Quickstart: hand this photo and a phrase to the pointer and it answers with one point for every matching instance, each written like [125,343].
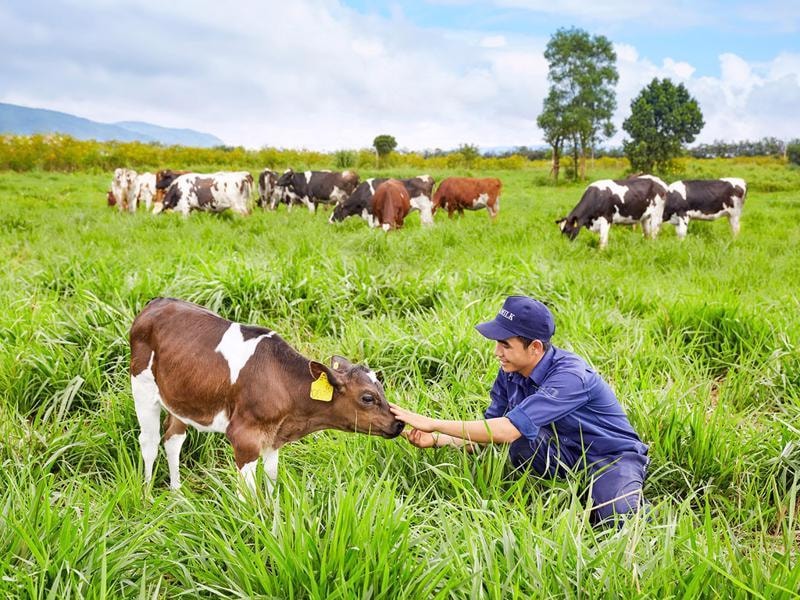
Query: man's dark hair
[527,342]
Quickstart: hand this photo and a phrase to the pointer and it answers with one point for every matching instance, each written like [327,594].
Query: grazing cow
[122,186]
[360,201]
[213,192]
[163,180]
[391,204]
[627,201]
[315,187]
[266,186]
[704,199]
[458,193]
[244,381]
[110,198]
[142,190]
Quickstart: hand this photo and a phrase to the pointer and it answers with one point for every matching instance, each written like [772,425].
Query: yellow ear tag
[321,389]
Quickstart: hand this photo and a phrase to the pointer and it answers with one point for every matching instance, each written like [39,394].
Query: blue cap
[520,316]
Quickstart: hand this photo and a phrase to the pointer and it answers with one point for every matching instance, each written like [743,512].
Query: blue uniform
[570,418]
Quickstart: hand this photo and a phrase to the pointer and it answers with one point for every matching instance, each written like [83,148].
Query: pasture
[699,340]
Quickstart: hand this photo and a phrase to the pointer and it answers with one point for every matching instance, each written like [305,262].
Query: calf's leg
[148,409]
[174,436]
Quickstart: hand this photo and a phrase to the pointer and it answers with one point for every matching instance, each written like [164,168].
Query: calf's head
[357,402]
[569,227]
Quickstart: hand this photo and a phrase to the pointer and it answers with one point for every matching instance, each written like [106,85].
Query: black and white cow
[704,199]
[266,186]
[360,202]
[212,192]
[314,187]
[636,200]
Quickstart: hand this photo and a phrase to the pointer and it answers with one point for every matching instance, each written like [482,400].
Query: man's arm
[498,430]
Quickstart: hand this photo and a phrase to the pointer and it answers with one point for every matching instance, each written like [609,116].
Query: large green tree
[663,118]
[384,144]
[581,100]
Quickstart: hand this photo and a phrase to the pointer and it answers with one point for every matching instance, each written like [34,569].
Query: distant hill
[21,120]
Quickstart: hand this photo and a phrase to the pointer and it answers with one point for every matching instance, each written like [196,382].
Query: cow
[163,180]
[459,193]
[638,199]
[266,186]
[314,187]
[391,204]
[706,200]
[142,190]
[419,189]
[122,186]
[244,381]
[212,192]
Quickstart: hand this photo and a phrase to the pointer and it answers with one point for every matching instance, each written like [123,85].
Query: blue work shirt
[564,392]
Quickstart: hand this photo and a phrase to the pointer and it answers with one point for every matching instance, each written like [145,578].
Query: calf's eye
[368,399]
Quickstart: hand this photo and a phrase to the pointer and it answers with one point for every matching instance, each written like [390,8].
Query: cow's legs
[174,436]
[270,457]
[682,227]
[603,227]
[733,219]
[246,451]
[148,408]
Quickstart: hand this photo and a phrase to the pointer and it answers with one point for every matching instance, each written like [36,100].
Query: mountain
[21,120]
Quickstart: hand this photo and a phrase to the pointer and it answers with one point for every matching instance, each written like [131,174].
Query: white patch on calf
[338,195]
[424,205]
[236,350]
[481,201]
[613,187]
[248,472]
[308,177]
[372,377]
[219,424]
[173,448]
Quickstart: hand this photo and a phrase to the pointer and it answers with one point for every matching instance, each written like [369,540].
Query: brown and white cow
[360,202]
[314,187]
[459,193]
[122,184]
[143,190]
[164,179]
[213,192]
[244,381]
[266,186]
[705,200]
[627,201]
[391,204]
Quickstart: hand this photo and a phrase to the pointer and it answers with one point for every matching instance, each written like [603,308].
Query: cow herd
[645,200]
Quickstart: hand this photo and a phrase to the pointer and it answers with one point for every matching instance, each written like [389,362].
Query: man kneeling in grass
[556,412]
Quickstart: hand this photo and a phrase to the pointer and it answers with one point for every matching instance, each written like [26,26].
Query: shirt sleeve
[558,396]
[499,397]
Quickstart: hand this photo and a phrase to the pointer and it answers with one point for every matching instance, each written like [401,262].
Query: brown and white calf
[459,193]
[244,381]
[705,200]
[122,184]
[391,204]
[212,192]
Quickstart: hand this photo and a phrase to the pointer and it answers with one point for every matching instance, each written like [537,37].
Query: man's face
[514,357]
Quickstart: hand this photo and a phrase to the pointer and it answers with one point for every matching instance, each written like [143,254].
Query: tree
[468,153]
[581,100]
[384,144]
[663,118]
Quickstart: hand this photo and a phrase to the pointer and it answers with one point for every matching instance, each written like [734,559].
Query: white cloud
[315,74]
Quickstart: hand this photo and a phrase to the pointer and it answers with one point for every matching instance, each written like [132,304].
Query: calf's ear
[340,363]
[317,369]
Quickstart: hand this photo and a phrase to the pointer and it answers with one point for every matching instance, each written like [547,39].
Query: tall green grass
[698,338]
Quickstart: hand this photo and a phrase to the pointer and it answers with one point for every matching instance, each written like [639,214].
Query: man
[554,410]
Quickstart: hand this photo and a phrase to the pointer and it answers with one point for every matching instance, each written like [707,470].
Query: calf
[142,190]
[122,184]
[458,193]
[210,192]
[391,204]
[315,187]
[704,199]
[627,201]
[360,202]
[244,381]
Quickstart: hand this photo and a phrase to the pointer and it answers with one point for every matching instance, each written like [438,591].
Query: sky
[332,74]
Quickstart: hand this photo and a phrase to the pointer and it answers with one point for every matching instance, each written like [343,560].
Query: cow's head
[110,198]
[358,402]
[286,178]
[569,226]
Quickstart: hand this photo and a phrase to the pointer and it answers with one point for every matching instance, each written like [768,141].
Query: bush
[793,152]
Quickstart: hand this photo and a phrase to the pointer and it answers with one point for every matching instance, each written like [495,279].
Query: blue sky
[332,74]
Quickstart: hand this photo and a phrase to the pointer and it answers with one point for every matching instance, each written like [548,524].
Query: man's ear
[317,368]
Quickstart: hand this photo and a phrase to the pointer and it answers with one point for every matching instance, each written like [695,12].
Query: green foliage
[345,159]
[581,100]
[384,144]
[469,154]
[698,339]
[793,152]
[663,118]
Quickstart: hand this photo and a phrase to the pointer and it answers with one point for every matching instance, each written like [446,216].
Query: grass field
[699,339]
